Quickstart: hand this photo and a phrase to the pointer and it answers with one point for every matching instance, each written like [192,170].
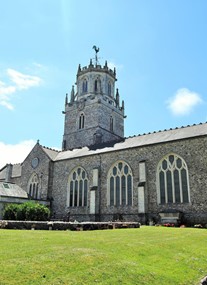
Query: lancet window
[85,86]
[109,88]
[81,121]
[111,124]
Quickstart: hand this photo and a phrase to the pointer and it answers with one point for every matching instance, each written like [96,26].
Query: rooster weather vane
[96,51]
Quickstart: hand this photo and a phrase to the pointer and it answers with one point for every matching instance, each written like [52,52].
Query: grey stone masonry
[93,115]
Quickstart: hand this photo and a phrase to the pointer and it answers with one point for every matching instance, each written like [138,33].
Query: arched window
[77,188]
[96,86]
[109,88]
[81,121]
[172,180]
[120,186]
[33,186]
[85,86]
[111,124]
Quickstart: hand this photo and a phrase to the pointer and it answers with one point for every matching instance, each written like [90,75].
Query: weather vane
[96,51]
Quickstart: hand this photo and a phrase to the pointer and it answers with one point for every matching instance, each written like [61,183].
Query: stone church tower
[93,114]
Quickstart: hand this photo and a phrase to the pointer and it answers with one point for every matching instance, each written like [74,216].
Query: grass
[149,255]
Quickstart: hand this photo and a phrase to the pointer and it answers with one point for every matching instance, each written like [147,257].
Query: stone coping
[59,225]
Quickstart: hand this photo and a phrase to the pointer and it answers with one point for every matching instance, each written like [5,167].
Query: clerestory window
[120,187]
[77,188]
[172,180]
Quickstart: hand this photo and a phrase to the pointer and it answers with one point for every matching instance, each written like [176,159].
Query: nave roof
[137,141]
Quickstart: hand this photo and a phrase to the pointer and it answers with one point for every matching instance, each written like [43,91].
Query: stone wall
[193,151]
[97,111]
[42,171]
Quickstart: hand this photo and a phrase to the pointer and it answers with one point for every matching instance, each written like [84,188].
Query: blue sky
[158,47]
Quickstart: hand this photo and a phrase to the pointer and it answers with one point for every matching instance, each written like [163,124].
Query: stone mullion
[165,180]
[114,191]
[181,188]
[126,178]
[120,191]
[173,184]
[78,191]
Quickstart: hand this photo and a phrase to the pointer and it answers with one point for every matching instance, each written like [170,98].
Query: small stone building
[102,176]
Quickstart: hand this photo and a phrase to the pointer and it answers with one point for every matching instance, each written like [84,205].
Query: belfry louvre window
[173,182]
[109,88]
[120,185]
[33,186]
[78,188]
[85,86]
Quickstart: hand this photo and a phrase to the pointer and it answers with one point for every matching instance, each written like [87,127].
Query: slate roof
[138,141]
[126,143]
[16,171]
[51,153]
[12,190]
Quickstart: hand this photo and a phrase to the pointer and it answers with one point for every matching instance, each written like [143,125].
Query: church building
[100,175]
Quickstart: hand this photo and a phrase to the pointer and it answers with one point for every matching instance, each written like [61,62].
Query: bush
[10,212]
[26,212]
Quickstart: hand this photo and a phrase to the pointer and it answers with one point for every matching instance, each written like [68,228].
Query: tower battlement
[93,113]
[96,68]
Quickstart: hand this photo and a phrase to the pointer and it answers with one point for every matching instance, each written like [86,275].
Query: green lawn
[149,255]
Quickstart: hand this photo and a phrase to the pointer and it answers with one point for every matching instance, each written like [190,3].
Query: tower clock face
[35,162]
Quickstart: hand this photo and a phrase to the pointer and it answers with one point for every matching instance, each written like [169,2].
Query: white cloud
[23,81]
[6,104]
[112,65]
[19,81]
[15,153]
[183,102]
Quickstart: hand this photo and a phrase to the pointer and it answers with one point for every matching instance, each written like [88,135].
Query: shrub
[28,211]
[10,212]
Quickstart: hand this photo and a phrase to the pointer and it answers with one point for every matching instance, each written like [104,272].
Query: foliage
[28,211]
[149,255]
[10,212]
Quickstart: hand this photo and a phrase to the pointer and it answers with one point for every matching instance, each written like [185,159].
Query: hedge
[28,211]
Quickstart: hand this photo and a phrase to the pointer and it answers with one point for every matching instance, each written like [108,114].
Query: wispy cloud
[112,65]
[15,153]
[23,81]
[18,81]
[183,102]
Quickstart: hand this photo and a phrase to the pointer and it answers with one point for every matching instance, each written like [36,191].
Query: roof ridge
[166,130]
[45,147]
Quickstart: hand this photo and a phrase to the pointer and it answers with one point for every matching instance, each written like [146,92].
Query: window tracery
[33,186]
[77,188]
[173,181]
[120,182]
